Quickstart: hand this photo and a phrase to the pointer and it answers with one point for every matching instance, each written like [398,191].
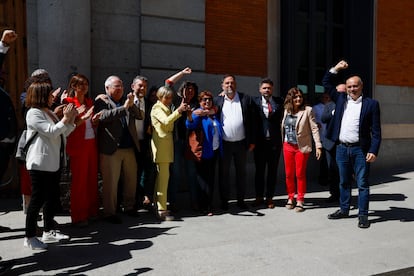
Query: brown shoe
[258,202]
[165,216]
[269,203]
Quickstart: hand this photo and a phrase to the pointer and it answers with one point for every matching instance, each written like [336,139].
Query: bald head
[354,87]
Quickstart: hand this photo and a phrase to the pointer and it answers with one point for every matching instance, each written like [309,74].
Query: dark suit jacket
[249,114]
[326,118]
[8,120]
[110,125]
[273,121]
[369,120]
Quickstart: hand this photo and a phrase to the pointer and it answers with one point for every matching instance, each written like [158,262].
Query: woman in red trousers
[82,150]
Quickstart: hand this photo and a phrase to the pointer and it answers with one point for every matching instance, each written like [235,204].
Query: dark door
[315,34]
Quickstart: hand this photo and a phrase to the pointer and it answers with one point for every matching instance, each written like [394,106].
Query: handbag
[194,149]
[23,145]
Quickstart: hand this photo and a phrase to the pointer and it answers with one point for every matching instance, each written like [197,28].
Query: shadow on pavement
[98,245]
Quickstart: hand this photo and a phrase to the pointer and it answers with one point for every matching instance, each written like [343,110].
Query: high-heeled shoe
[299,207]
[290,204]
[165,215]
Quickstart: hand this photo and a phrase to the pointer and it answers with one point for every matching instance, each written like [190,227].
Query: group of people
[145,146]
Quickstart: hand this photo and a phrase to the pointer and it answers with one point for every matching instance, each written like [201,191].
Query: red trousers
[295,166]
[84,188]
[25,182]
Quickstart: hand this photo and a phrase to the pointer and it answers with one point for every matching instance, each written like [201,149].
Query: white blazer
[43,153]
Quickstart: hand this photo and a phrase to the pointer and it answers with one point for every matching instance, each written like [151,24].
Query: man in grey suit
[117,138]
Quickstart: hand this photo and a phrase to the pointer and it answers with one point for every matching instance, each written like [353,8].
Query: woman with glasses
[83,152]
[211,130]
[298,128]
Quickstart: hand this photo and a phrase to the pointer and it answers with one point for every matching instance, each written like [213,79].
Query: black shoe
[242,205]
[132,213]
[338,215]
[114,219]
[173,208]
[258,202]
[363,222]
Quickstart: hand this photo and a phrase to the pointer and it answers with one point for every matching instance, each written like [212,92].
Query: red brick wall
[236,37]
[395,42]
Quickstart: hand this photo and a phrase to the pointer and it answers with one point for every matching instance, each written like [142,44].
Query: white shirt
[232,119]
[265,108]
[139,124]
[89,132]
[349,132]
[3,48]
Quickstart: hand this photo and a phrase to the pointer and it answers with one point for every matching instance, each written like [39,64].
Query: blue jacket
[208,130]
[369,121]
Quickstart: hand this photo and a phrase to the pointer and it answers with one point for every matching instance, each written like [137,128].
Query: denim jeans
[351,161]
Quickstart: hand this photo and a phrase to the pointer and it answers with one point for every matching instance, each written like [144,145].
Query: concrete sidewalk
[254,242]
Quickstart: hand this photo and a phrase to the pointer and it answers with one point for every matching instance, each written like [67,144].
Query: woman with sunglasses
[298,128]
[83,152]
[202,119]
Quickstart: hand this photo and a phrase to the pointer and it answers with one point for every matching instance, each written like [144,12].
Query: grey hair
[141,78]
[109,80]
[164,91]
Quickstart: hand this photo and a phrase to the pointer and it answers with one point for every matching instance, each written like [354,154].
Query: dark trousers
[333,174]
[238,152]
[266,154]
[6,150]
[45,187]
[205,170]
[146,172]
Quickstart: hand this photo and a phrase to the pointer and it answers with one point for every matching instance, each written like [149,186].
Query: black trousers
[266,155]
[238,152]
[205,170]
[45,188]
[6,150]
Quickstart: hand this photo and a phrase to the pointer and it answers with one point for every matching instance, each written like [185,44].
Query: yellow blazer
[306,128]
[162,143]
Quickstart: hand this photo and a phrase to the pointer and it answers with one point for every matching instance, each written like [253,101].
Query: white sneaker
[34,243]
[54,235]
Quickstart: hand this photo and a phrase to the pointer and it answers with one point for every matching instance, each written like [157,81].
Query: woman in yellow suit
[162,119]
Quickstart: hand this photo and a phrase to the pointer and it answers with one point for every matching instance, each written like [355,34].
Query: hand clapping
[70,113]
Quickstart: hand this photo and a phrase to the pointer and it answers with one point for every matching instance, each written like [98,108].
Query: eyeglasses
[206,99]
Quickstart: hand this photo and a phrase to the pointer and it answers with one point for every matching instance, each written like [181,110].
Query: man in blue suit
[356,129]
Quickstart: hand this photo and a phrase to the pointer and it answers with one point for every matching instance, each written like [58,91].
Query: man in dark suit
[8,128]
[117,138]
[236,112]
[146,172]
[8,121]
[356,129]
[269,110]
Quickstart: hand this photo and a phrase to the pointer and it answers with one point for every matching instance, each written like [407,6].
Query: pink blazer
[306,128]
